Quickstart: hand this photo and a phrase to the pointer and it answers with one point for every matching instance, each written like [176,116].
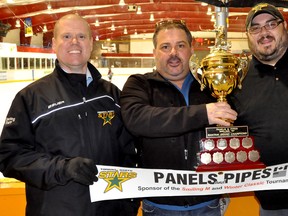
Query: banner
[28,27]
[122,182]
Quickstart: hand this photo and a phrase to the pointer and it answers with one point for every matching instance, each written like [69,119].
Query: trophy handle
[196,70]
[243,66]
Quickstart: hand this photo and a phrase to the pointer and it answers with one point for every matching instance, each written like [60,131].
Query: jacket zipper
[81,129]
[82,125]
[186,154]
[87,137]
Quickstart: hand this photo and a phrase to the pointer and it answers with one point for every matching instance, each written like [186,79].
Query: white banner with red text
[121,182]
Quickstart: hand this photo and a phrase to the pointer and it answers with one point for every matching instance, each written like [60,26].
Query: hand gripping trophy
[224,148]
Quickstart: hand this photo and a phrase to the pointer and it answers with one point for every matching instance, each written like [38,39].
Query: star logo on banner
[116,177]
[115,182]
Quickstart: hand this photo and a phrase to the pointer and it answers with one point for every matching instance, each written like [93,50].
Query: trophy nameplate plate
[218,157]
[209,144]
[206,158]
[222,144]
[247,142]
[233,131]
[229,157]
[234,143]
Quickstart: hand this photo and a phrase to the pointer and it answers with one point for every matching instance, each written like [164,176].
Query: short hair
[170,24]
[71,16]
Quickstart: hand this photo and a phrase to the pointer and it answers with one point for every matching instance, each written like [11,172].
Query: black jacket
[57,118]
[168,130]
[262,105]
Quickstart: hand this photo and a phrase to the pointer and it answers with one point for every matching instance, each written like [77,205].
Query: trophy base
[225,167]
[228,148]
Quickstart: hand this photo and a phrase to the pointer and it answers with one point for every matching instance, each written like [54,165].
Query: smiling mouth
[266,40]
[74,51]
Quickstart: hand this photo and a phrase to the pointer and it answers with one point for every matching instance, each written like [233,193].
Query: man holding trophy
[168,112]
[262,103]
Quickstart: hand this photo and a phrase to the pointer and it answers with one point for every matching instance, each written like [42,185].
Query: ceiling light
[112,27]
[97,38]
[125,31]
[209,11]
[49,7]
[213,18]
[139,10]
[97,22]
[151,17]
[45,28]
[17,24]
[204,4]
[121,3]
[135,33]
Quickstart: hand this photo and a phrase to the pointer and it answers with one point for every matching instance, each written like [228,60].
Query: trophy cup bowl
[220,71]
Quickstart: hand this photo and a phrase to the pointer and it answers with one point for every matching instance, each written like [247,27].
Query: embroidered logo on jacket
[107,116]
[55,104]
[9,120]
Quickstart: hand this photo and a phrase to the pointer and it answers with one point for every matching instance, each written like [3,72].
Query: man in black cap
[262,103]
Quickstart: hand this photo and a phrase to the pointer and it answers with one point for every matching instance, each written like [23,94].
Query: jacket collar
[263,67]
[155,75]
[94,72]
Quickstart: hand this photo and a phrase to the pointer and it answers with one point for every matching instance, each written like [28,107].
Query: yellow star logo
[115,182]
[107,116]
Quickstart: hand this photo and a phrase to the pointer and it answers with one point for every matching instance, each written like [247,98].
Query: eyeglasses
[268,26]
[167,22]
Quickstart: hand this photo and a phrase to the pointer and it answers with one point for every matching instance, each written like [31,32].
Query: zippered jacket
[53,120]
[168,131]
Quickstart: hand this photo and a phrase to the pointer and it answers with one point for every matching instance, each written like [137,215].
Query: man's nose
[174,51]
[74,39]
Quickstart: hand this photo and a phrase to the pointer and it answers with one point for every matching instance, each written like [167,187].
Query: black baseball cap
[262,8]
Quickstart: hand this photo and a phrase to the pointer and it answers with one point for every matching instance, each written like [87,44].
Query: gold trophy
[224,148]
[220,71]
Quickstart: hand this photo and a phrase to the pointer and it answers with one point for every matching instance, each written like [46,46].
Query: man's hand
[81,170]
[220,113]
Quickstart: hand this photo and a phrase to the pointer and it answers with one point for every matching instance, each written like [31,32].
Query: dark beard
[272,55]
